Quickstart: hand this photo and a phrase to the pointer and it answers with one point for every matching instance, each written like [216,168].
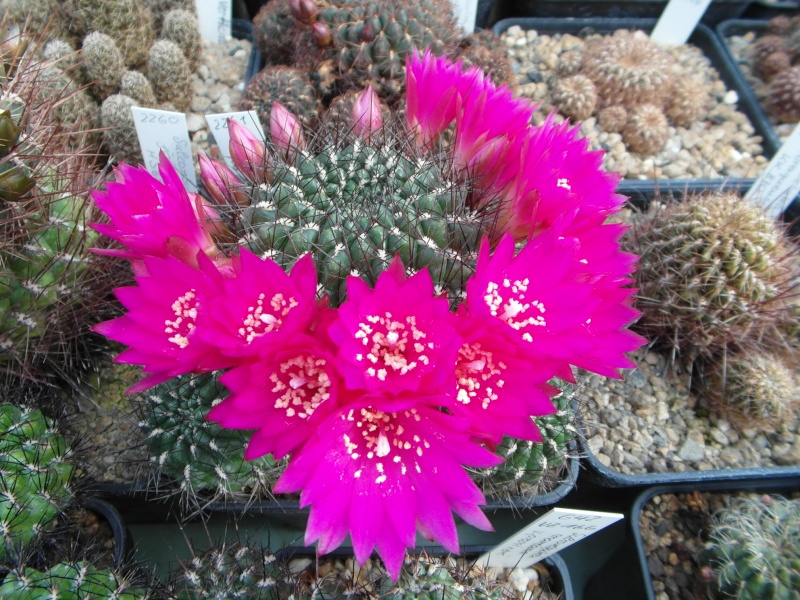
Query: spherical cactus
[613,118]
[128,22]
[522,474]
[102,64]
[119,129]
[774,64]
[688,102]
[485,50]
[202,457]
[64,56]
[780,25]
[712,271]
[647,129]
[575,97]
[182,27]
[290,87]
[426,578]
[35,482]
[783,96]
[764,48]
[628,68]
[169,72]
[231,570]
[569,63]
[69,580]
[137,87]
[752,552]
[274,30]
[756,388]
[160,8]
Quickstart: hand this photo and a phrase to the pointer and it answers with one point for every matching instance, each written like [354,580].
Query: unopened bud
[321,34]
[303,10]
[248,152]
[220,182]
[15,183]
[286,131]
[367,118]
[367,32]
[9,133]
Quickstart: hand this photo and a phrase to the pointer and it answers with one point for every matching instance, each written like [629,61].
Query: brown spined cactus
[102,63]
[764,55]
[169,72]
[783,97]
[290,87]
[485,50]
[569,63]
[628,68]
[575,97]
[647,129]
[773,64]
[752,389]
[714,272]
[688,102]
[612,119]
[182,27]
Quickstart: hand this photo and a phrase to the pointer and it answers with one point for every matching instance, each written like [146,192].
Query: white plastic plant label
[215,19]
[465,12]
[218,124]
[780,183]
[557,529]
[678,21]
[164,131]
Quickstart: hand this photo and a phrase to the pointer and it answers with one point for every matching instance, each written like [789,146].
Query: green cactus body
[753,549]
[526,462]
[355,207]
[65,581]
[34,478]
[102,64]
[199,454]
[290,87]
[274,32]
[230,571]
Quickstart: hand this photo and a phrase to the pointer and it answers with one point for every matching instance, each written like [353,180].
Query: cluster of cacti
[205,459]
[714,273]
[525,465]
[125,59]
[355,206]
[758,388]
[35,482]
[632,85]
[69,580]
[752,551]
[51,287]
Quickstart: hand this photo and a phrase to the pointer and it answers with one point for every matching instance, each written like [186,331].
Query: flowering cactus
[382,384]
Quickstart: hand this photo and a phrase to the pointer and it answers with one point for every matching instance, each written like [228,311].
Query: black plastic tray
[626,575]
[717,11]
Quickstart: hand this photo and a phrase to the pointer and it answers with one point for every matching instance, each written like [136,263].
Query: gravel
[721,146]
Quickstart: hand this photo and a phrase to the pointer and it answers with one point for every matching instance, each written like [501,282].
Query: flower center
[477,375]
[264,318]
[507,302]
[383,442]
[392,346]
[301,385]
[185,311]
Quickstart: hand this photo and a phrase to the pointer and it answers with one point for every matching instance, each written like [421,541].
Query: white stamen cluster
[477,375]
[185,311]
[392,345]
[303,384]
[260,319]
[511,307]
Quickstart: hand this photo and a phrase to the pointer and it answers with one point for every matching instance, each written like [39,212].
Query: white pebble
[731,97]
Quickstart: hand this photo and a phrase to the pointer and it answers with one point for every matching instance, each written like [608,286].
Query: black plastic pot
[122,538]
[626,575]
[717,11]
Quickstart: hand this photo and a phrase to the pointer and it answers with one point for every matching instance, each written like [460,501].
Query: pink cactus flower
[166,310]
[367,118]
[152,218]
[248,152]
[221,183]
[286,131]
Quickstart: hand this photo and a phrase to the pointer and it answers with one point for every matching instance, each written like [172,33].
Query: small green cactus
[201,456]
[102,64]
[752,552]
[522,473]
[34,478]
[169,72]
[232,570]
[67,580]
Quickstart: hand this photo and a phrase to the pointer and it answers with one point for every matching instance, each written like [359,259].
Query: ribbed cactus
[526,463]
[713,270]
[355,206]
[34,478]
[231,570]
[290,87]
[752,552]
[425,578]
[66,581]
[201,456]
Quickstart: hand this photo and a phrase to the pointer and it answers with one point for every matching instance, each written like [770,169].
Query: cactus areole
[386,306]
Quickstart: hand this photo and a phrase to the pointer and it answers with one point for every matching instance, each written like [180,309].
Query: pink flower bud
[248,152]
[303,10]
[286,131]
[321,34]
[367,118]
[220,182]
